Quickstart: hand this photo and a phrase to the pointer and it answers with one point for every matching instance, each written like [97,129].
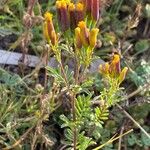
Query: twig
[112,140]
[20,140]
[146,86]
[146,27]
[134,121]
[120,139]
[46,64]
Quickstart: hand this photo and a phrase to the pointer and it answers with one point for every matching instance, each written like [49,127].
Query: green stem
[72,97]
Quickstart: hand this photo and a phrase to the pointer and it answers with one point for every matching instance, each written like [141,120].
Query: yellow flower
[93,37]
[104,69]
[123,74]
[71,7]
[79,7]
[79,12]
[84,34]
[113,70]
[78,42]
[48,29]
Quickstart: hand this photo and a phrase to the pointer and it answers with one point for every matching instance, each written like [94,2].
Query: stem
[134,121]
[46,63]
[77,69]
[146,27]
[30,6]
[120,139]
[20,140]
[83,73]
[64,75]
[72,97]
[74,120]
[112,140]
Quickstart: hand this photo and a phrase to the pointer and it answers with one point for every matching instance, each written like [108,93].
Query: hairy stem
[72,97]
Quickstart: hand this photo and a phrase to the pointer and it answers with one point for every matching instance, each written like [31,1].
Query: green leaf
[145,140]
[101,114]
[142,45]
[132,139]
[56,74]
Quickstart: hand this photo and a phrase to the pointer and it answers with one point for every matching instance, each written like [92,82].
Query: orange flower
[115,65]
[113,69]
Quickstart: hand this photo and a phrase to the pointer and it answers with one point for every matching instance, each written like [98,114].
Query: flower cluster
[113,70]
[84,37]
[69,14]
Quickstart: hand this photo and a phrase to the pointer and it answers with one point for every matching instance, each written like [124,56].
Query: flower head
[62,13]
[48,29]
[79,12]
[112,70]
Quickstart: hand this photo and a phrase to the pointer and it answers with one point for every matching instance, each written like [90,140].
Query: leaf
[83,107]
[101,114]
[145,140]
[84,141]
[142,45]
[5,32]
[132,139]
[56,74]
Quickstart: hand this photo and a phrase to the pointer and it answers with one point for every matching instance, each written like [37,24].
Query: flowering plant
[76,39]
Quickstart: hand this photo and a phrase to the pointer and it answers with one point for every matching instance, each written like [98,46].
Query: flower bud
[104,69]
[84,34]
[93,37]
[48,29]
[63,16]
[115,65]
[123,74]
[95,9]
[72,15]
[79,12]
[78,42]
